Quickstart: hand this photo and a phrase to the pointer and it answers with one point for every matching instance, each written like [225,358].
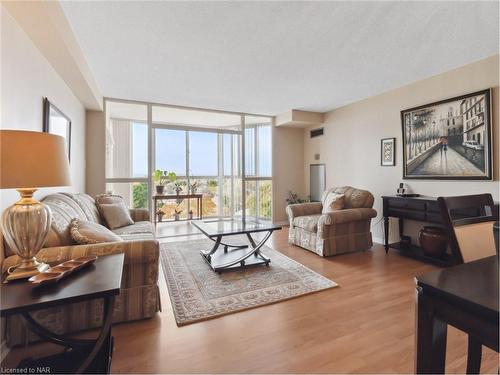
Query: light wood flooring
[364,326]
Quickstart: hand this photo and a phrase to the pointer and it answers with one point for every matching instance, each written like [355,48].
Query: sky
[170,148]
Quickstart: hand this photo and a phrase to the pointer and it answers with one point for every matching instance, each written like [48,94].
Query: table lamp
[28,161]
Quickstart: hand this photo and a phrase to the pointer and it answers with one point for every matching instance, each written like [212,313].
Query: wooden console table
[164,197]
[424,209]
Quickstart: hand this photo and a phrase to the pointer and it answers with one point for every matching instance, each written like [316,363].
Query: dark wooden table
[464,296]
[424,209]
[164,197]
[99,280]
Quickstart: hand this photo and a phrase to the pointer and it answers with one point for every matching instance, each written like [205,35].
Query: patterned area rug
[198,293]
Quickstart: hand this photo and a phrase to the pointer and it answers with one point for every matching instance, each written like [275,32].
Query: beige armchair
[336,232]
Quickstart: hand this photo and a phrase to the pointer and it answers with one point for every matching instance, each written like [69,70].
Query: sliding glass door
[202,158]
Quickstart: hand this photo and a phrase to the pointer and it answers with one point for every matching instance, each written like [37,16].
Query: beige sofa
[139,297]
[337,232]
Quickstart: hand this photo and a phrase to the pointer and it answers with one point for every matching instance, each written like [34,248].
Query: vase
[160,189]
[176,217]
[178,190]
[433,241]
[160,218]
[190,216]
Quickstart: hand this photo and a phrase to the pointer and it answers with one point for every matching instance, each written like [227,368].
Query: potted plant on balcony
[177,213]
[190,215]
[160,178]
[159,214]
[178,187]
[194,187]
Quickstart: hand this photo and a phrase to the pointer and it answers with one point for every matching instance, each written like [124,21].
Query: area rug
[198,293]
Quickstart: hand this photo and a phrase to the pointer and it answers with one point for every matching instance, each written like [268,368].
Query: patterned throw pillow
[333,202]
[87,232]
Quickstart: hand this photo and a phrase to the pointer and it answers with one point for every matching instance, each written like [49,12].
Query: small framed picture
[387,155]
[56,122]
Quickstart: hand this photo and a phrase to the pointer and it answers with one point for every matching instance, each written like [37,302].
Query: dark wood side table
[423,209]
[464,296]
[164,197]
[99,280]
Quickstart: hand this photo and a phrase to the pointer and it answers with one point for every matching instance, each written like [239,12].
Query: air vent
[317,132]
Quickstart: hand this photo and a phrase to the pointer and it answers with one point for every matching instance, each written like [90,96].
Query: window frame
[240,174]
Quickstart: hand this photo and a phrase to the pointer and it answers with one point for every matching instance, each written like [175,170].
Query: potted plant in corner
[190,215]
[160,178]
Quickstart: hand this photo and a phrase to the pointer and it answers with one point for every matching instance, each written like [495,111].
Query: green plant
[293,198]
[177,210]
[140,195]
[171,176]
[160,177]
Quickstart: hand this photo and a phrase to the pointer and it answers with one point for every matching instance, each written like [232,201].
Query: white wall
[350,147]
[26,78]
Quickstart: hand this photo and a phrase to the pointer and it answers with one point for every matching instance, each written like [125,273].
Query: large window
[203,147]
[127,152]
[258,166]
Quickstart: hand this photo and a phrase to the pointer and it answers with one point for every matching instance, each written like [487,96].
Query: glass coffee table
[224,256]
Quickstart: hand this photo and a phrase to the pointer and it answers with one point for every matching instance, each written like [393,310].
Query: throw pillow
[333,202]
[87,232]
[116,215]
[108,198]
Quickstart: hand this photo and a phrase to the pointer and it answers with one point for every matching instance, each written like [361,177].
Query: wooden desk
[423,209]
[100,280]
[464,296]
[162,197]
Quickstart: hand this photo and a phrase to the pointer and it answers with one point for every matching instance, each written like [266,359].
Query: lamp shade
[32,160]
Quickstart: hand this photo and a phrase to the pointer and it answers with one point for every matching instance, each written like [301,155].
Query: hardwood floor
[364,326]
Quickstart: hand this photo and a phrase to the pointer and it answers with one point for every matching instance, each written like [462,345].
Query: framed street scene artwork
[56,122]
[449,139]
[387,150]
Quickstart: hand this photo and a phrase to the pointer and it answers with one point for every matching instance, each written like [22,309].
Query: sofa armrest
[347,216]
[303,209]
[139,214]
[140,264]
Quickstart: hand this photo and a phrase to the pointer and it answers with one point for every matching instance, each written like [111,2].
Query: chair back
[469,222]
[354,198]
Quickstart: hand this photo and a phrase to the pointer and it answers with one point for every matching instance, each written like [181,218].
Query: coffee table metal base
[223,256]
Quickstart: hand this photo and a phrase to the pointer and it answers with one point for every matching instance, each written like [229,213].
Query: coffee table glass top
[226,227]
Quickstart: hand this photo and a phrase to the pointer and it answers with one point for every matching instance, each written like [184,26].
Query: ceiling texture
[269,57]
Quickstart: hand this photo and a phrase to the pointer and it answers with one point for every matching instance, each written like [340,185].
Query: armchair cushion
[348,215]
[309,222]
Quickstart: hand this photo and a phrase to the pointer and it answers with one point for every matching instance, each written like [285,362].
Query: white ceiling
[268,57]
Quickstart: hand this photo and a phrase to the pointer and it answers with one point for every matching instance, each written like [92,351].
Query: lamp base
[26,269]
[26,225]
